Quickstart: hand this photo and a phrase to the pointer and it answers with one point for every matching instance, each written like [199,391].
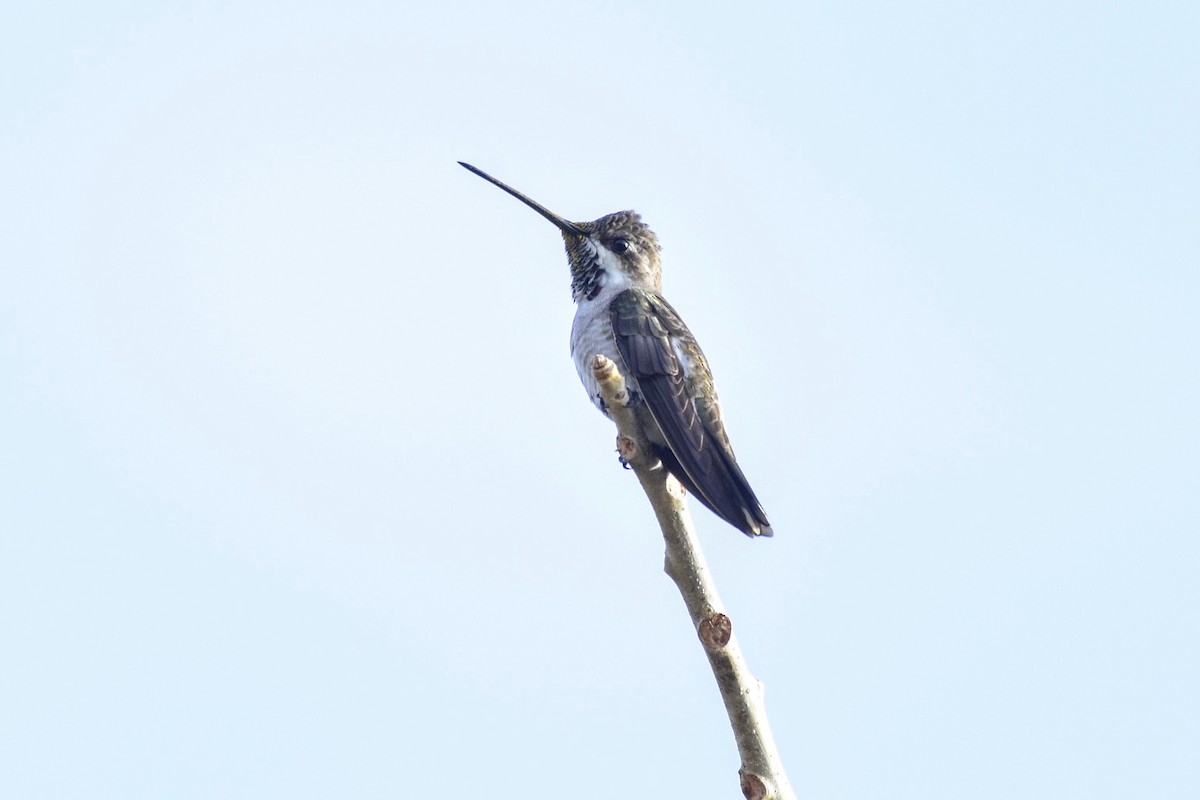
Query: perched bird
[616,282]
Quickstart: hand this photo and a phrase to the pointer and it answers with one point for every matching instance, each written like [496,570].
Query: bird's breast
[591,336]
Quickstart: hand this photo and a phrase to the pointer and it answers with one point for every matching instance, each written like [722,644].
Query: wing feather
[697,451]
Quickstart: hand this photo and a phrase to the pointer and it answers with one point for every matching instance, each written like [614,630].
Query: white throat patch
[615,278]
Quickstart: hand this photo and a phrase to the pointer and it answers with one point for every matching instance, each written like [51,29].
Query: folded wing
[676,385]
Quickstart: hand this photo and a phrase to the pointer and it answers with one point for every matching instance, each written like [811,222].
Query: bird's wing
[661,353]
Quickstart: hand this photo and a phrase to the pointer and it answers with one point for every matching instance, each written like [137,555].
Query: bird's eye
[619,246]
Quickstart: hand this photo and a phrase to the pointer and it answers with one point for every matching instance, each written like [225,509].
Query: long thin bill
[562,224]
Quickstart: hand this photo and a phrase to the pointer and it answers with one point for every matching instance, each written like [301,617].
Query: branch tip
[603,367]
[612,382]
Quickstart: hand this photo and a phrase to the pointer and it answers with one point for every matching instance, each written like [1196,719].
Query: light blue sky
[301,497]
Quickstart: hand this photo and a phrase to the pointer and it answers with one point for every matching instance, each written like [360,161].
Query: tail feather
[725,492]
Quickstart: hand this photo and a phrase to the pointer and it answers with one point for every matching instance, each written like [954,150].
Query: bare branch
[762,775]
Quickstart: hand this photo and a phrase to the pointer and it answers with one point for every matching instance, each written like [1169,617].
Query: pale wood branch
[762,775]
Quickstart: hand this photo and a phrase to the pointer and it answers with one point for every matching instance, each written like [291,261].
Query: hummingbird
[616,283]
